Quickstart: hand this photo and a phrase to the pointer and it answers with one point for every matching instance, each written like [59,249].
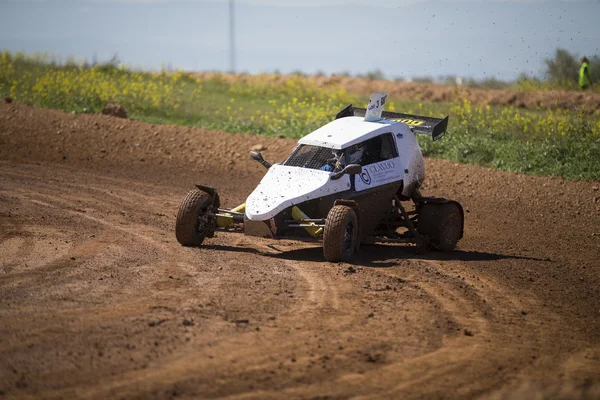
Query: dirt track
[99,301]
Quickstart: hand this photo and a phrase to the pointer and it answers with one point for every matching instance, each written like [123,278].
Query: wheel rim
[349,236]
[203,221]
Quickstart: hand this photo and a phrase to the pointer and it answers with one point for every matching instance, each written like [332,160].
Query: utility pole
[231,37]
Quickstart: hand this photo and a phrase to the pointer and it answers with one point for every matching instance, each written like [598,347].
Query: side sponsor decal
[379,173]
[365,177]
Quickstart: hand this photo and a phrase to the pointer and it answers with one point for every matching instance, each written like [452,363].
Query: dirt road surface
[98,300]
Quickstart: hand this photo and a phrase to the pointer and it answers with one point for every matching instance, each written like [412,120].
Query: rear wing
[436,127]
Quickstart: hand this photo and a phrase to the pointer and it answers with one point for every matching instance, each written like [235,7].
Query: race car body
[342,184]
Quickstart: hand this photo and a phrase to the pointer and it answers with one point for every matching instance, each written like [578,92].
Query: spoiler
[436,127]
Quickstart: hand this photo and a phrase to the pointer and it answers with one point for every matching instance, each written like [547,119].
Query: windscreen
[312,157]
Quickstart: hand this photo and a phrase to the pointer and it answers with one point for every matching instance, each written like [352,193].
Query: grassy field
[544,142]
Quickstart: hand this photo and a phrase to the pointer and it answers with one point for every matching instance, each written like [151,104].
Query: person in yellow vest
[584,74]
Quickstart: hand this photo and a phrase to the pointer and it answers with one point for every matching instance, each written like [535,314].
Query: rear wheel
[340,234]
[193,224]
[442,223]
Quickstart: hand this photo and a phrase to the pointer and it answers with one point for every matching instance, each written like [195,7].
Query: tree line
[563,68]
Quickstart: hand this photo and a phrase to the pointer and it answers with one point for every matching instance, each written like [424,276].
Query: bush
[563,68]
[374,75]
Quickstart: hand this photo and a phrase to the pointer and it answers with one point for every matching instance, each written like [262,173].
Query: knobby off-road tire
[442,223]
[192,224]
[340,234]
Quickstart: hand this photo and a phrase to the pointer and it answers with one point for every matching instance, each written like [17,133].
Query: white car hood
[285,186]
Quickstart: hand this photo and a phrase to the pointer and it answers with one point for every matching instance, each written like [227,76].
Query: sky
[403,38]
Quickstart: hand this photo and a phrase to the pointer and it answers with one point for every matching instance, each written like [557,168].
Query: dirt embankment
[98,300]
[584,101]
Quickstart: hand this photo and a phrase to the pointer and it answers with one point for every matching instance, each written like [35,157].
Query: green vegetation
[560,143]
[545,142]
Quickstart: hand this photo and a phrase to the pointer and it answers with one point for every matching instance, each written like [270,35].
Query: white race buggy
[344,185]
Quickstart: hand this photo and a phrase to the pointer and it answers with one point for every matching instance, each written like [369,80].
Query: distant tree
[422,79]
[71,62]
[448,80]
[375,74]
[469,82]
[493,83]
[563,68]
[110,65]
[343,73]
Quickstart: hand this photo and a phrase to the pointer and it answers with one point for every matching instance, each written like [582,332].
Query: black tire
[341,234]
[192,225]
[442,223]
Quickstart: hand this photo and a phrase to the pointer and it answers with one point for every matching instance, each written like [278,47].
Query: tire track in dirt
[315,296]
[71,202]
[321,294]
[454,354]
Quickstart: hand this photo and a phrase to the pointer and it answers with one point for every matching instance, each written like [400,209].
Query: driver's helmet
[355,153]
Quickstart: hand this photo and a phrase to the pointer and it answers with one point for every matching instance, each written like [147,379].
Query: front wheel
[442,223]
[341,234]
[193,224]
